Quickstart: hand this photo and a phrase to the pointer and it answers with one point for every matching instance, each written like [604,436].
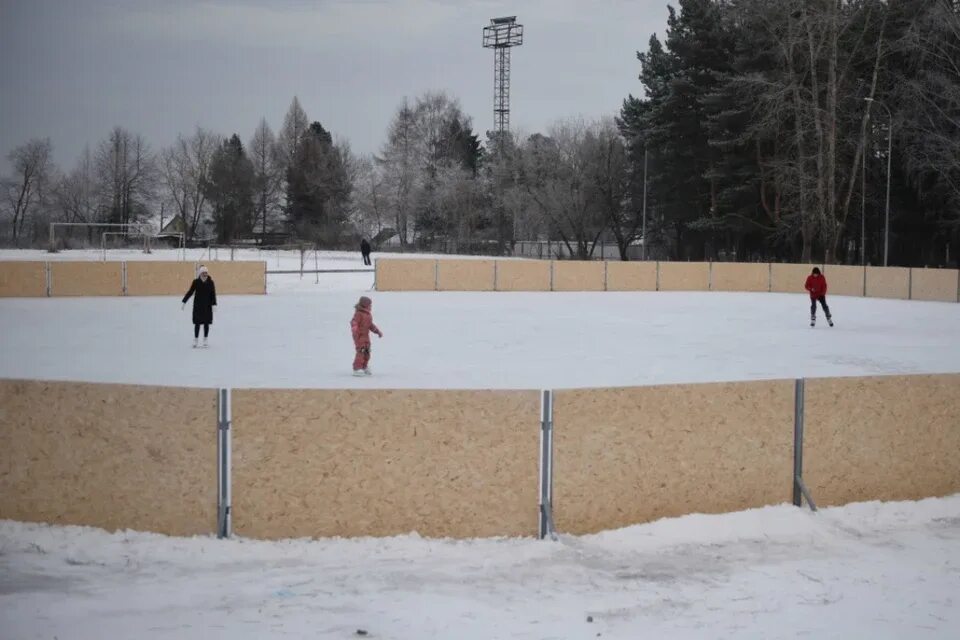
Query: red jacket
[816,285]
[361,326]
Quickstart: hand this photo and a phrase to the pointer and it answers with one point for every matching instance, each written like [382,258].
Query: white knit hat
[203,269]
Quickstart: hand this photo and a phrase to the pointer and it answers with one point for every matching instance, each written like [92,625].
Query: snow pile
[870,570]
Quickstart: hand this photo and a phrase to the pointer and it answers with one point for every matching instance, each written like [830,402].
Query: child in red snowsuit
[361,326]
[816,286]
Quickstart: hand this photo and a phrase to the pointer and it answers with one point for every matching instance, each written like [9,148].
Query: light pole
[886,224]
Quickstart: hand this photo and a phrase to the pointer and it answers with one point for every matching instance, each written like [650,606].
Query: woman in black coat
[204,300]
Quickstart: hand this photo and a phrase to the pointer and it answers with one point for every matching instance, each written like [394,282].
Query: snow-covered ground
[298,336]
[869,570]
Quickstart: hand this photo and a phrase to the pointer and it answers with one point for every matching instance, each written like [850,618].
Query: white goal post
[136,229]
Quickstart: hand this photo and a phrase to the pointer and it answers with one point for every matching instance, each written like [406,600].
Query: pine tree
[229,189]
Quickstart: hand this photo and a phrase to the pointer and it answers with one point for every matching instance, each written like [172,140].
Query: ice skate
[367,372]
[830,321]
[205,342]
[194,343]
[358,373]
[813,321]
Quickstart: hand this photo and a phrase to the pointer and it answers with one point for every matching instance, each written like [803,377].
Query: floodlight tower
[501,35]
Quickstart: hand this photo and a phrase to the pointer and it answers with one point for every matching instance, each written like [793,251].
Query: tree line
[764,132]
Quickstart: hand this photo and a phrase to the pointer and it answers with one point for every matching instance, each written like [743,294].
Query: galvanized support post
[605,270]
[546,466]
[797,440]
[495,263]
[48,272]
[800,491]
[224,516]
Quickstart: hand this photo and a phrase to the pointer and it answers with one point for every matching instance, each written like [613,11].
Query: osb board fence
[789,278]
[161,278]
[566,275]
[631,276]
[888,282]
[466,275]
[843,280]
[885,438]
[632,455]
[86,278]
[236,277]
[579,275]
[524,275]
[110,456]
[740,276]
[406,274]
[23,279]
[317,463]
[935,285]
[684,276]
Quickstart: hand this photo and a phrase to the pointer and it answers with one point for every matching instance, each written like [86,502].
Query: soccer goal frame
[141,229]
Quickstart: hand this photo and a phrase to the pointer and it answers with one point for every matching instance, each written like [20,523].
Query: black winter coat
[204,300]
[365,247]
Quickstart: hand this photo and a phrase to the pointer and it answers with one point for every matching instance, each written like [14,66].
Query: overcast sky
[72,69]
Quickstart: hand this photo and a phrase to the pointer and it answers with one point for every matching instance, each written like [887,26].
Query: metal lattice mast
[501,35]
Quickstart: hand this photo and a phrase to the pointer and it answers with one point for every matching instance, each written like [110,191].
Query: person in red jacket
[816,286]
[361,326]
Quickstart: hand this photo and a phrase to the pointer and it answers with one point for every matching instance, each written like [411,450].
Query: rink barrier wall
[882,438]
[739,276]
[321,463]
[684,276]
[844,280]
[23,279]
[935,285]
[569,275]
[789,278]
[128,278]
[632,455]
[110,456]
[579,275]
[466,275]
[631,276]
[86,279]
[406,274]
[887,282]
[524,275]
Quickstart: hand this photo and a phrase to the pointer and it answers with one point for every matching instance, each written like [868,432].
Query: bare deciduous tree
[126,173]
[185,167]
[32,166]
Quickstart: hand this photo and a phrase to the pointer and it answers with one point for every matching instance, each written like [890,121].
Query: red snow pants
[362,358]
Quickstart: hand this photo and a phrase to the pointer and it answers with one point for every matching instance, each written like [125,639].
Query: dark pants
[823,303]
[196,330]
[366,258]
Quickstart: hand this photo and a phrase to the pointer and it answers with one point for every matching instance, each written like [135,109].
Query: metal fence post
[800,491]
[546,465]
[49,277]
[224,497]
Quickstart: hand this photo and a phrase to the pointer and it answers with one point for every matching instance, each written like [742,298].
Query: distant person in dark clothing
[204,300]
[365,251]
